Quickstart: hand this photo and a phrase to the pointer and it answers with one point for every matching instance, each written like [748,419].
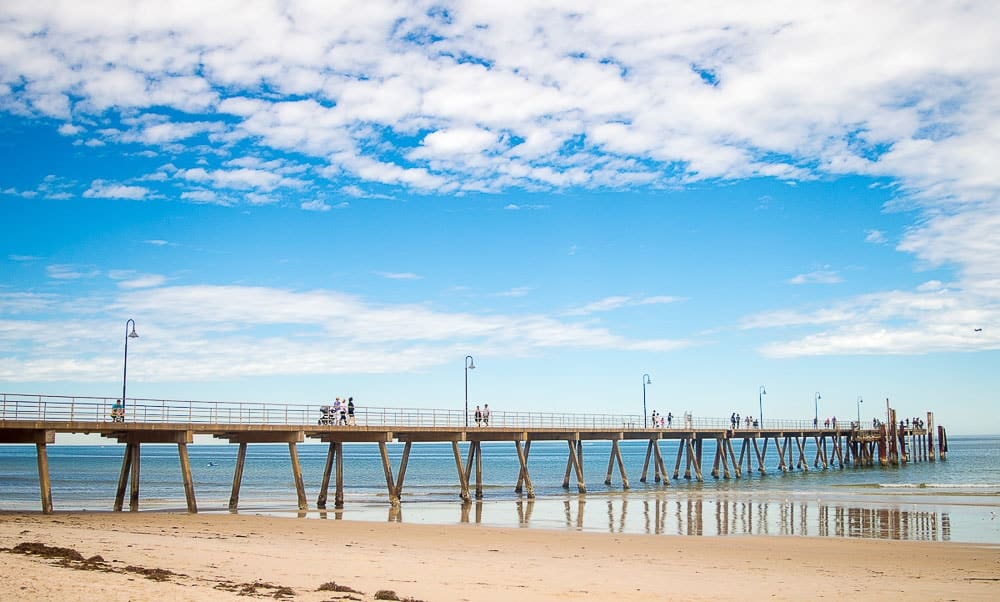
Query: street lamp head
[133,334]
[763,391]
[470,363]
[646,380]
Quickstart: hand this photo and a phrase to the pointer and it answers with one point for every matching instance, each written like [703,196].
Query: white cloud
[192,333]
[399,275]
[876,237]
[616,302]
[99,189]
[315,205]
[817,277]
[71,272]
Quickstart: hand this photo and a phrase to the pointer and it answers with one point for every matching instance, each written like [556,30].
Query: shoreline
[203,555]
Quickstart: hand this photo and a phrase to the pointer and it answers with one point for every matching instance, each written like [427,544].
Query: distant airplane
[979,330]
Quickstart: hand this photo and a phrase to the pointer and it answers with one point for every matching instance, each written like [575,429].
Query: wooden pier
[37,419]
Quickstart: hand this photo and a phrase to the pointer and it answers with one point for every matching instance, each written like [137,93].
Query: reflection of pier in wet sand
[37,419]
[696,515]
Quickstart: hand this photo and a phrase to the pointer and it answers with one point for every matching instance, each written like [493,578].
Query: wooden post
[390,485]
[402,470]
[44,484]
[698,465]
[300,488]
[479,470]
[688,457]
[521,474]
[241,456]
[942,442]
[580,481]
[463,480]
[645,464]
[715,463]
[621,465]
[338,496]
[522,457]
[737,465]
[327,471]
[677,463]
[802,463]
[781,454]
[660,467]
[930,437]
[576,460]
[123,478]
[569,464]
[133,502]
[760,456]
[182,453]
[720,444]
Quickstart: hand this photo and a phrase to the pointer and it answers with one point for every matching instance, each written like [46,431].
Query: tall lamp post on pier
[645,381]
[760,403]
[128,335]
[860,401]
[470,364]
[816,399]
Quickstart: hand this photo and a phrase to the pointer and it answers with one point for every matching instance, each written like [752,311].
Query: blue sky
[296,201]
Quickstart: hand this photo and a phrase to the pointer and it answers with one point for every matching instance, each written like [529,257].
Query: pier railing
[72,409]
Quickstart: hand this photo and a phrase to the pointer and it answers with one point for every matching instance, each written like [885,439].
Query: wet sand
[154,555]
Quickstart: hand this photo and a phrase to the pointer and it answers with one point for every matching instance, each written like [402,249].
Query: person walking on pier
[670,419]
[479,417]
[486,415]
[350,412]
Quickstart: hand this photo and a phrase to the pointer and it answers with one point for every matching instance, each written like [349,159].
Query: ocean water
[954,500]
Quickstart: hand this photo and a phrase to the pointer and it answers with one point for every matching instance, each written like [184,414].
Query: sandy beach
[148,556]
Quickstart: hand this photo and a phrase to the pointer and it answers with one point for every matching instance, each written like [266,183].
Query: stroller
[326,415]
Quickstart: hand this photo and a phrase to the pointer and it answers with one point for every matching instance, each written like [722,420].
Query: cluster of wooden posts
[891,443]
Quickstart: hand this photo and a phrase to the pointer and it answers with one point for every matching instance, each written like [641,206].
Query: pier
[36,419]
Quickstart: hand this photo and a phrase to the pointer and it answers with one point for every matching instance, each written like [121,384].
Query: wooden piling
[133,502]
[479,469]
[390,483]
[645,465]
[522,457]
[123,478]
[524,470]
[327,471]
[44,483]
[241,456]
[402,469]
[463,479]
[300,488]
[182,453]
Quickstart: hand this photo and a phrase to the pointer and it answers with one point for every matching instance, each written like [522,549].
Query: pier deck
[37,419]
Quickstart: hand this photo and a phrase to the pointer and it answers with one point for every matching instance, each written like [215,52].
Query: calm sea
[954,500]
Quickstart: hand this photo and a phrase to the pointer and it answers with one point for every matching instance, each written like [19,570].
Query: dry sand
[163,556]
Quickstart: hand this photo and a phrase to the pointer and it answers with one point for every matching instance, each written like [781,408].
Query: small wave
[938,485]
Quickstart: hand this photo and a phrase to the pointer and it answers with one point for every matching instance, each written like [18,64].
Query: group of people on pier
[483,416]
[661,421]
[342,413]
[747,421]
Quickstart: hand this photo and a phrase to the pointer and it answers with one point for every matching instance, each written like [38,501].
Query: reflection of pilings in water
[620,528]
[524,510]
[579,513]
[695,519]
[888,523]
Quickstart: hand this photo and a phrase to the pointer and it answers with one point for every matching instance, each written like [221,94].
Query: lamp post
[860,401]
[128,335]
[645,381]
[760,402]
[816,399]
[470,364]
